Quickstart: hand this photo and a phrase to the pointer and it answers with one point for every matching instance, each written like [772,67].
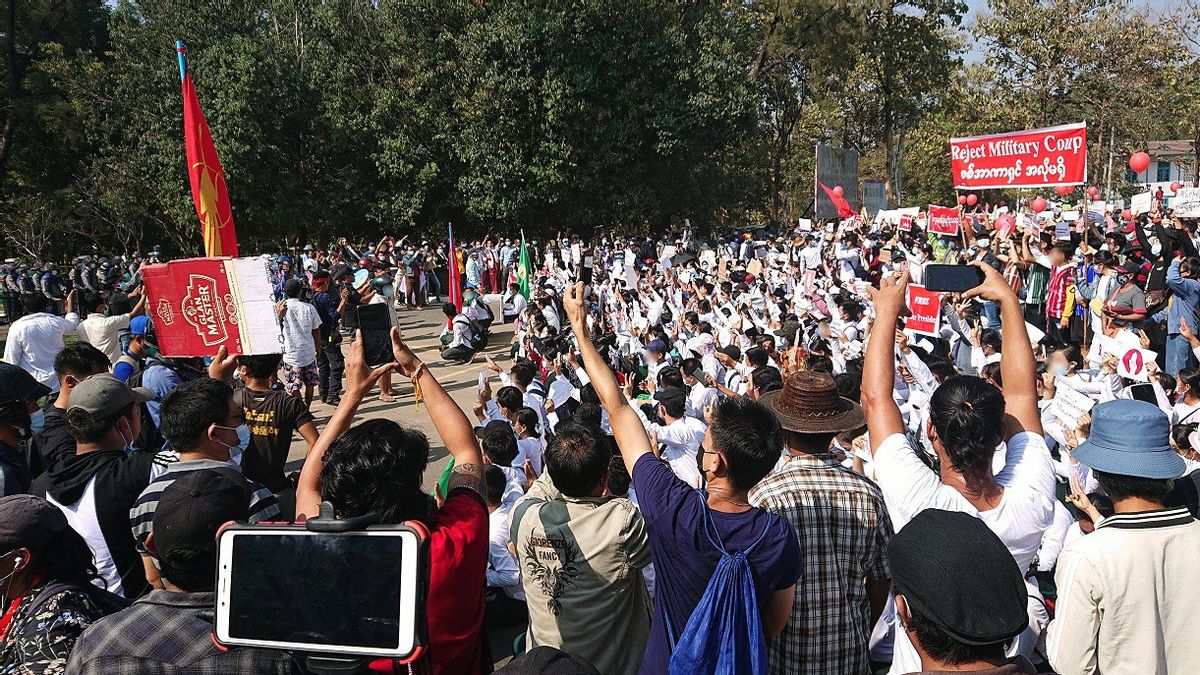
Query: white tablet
[284,587]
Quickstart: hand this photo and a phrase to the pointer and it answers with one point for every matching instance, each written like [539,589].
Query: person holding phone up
[377,466]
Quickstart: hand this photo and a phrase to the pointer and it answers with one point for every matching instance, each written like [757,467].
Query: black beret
[956,573]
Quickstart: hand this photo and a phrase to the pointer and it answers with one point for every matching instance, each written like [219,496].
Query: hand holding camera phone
[952,278]
[375,322]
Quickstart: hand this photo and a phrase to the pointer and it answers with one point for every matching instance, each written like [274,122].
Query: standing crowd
[733,455]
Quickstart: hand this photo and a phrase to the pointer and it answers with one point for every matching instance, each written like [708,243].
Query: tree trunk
[14,91]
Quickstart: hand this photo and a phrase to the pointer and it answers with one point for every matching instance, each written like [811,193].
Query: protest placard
[810,281]
[1133,364]
[926,311]
[1033,158]
[944,220]
[1062,230]
[1069,405]
[906,222]
[201,304]
[1186,203]
[1140,203]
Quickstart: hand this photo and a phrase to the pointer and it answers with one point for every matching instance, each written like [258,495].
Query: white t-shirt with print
[299,322]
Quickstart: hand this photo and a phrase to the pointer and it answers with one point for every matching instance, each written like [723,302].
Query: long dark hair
[968,415]
[376,467]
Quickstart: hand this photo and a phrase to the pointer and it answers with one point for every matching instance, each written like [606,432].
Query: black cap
[16,384]
[956,573]
[731,351]
[189,513]
[492,427]
[29,522]
[669,396]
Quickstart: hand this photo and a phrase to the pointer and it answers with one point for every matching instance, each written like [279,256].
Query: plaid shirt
[843,528]
[164,633]
[1056,291]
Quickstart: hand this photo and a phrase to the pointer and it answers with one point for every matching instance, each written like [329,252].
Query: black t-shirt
[350,317]
[272,417]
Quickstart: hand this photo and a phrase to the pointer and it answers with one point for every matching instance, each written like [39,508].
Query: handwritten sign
[1140,203]
[1186,203]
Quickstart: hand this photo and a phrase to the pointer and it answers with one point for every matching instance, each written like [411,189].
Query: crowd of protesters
[730,455]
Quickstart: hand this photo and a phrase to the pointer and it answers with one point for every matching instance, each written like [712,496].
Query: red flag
[204,170]
[456,295]
[843,206]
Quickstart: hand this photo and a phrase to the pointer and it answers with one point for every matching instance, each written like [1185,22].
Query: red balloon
[1175,187]
[1093,191]
[962,199]
[971,200]
[1038,204]
[1063,190]
[838,191]
[1139,162]
[1127,214]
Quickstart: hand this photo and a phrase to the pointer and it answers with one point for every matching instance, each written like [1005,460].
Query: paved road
[420,329]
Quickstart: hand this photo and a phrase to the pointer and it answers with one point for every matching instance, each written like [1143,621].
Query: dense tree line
[340,117]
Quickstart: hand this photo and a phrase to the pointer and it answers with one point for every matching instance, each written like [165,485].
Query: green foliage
[349,117]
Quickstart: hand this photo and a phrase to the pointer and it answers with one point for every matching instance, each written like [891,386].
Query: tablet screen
[323,590]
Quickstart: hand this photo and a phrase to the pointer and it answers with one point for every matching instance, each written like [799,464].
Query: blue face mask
[37,420]
[235,451]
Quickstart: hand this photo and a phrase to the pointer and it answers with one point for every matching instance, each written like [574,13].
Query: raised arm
[359,380]
[1017,365]
[626,425]
[879,369]
[452,424]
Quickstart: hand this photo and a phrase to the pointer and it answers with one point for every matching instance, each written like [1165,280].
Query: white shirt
[503,571]
[1126,597]
[681,441]
[34,341]
[1025,511]
[810,258]
[532,449]
[102,331]
[301,319]
[698,397]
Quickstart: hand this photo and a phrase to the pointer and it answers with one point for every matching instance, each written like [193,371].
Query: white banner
[1140,203]
[1187,202]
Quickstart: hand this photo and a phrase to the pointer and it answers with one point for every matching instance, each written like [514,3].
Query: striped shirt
[263,505]
[844,528]
[1056,291]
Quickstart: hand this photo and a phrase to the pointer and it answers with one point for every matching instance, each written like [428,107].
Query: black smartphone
[585,273]
[375,322]
[952,278]
[1143,392]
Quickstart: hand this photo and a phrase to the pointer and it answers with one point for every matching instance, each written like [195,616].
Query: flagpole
[180,52]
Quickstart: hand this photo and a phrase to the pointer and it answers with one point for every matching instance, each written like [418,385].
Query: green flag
[523,268]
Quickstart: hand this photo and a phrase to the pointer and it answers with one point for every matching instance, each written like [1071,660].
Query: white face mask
[236,451]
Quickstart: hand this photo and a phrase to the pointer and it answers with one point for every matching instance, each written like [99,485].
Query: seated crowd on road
[730,455]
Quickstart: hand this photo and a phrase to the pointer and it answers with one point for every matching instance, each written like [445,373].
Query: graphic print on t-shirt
[551,562]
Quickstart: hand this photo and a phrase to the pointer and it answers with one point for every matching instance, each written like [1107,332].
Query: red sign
[943,220]
[926,309]
[198,305]
[1033,159]
[906,222]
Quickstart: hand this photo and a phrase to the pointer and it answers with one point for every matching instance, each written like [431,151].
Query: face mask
[1060,371]
[235,451]
[129,449]
[1123,279]
[36,421]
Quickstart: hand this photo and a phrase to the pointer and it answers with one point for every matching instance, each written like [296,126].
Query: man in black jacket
[96,486]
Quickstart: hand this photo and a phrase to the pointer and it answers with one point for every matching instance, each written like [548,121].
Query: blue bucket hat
[1130,438]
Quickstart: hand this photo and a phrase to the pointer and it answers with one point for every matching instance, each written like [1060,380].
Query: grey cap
[103,395]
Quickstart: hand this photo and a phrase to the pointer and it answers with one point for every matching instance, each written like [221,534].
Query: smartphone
[952,278]
[585,273]
[285,587]
[1143,392]
[375,322]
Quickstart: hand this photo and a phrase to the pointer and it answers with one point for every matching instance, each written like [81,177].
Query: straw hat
[809,404]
